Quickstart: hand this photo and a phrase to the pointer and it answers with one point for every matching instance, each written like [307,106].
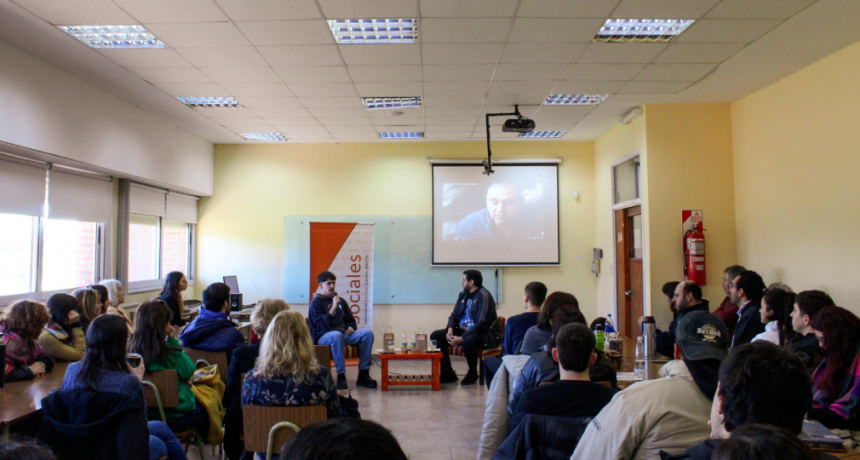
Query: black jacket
[243,361]
[89,425]
[484,316]
[173,303]
[322,321]
[543,437]
[808,350]
[705,449]
[666,340]
[749,324]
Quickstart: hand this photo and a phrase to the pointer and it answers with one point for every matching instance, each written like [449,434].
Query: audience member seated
[835,383]
[807,304]
[171,294]
[764,442]
[669,413]
[116,297]
[287,373]
[538,335]
[776,306]
[25,450]
[687,297]
[89,306]
[342,438]
[20,327]
[212,329]
[244,358]
[543,365]
[760,383]
[746,290]
[105,369]
[154,340]
[516,327]
[104,297]
[63,337]
[574,394]
[727,311]
[333,325]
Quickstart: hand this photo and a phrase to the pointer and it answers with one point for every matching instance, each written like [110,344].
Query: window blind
[81,198]
[147,201]
[181,208]
[22,188]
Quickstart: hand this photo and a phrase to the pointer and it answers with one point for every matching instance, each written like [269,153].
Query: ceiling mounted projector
[518,125]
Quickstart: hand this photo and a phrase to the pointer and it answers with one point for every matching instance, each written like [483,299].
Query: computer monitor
[233,283]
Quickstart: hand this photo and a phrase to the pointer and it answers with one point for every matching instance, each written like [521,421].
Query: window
[69,254]
[627,181]
[143,248]
[156,248]
[18,237]
[174,248]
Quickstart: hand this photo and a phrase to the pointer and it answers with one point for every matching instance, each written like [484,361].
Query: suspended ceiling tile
[471,119]
[257,89]
[449,128]
[238,56]
[653,87]
[341,121]
[727,30]
[268,102]
[464,30]
[269,10]
[275,121]
[761,9]
[564,110]
[548,30]
[241,74]
[453,101]
[697,54]
[198,35]
[462,53]
[368,128]
[434,88]
[301,55]
[384,73]
[266,128]
[404,89]
[603,71]
[301,129]
[323,89]
[403,123]
[369,9]
[313,74]
[243,121]
[588,87]
[308,136]
[447,135]
[379,116]
[620,53]
[525,111]
[530,71]
[79,12]
[353,135]
[675,72]
[331,102]
[338,113]
[400,128]
[544,53]
[512,99]
[283,113]
[275,33]
[167,11]
[226,112]
[465,72]
[663,9]
[193,89]
[468,9]
[522,87]
[171,75]
[145,57]
[384,54]
[566,8]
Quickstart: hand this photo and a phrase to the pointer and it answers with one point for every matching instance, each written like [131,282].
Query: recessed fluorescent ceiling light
[641,30]
[368,31]
[575,99]
[114,36]
[380,103]
[401,135]
[543,134]
[278,137]
[209,101]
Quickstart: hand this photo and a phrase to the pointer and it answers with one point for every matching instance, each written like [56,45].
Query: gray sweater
[109,381]
[534,339]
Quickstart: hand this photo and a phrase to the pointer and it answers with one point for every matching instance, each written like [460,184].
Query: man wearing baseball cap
[670,413]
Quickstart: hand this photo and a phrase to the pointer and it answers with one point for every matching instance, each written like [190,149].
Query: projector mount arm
[488,163]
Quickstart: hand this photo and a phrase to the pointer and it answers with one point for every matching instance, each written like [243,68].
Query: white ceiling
[279,59]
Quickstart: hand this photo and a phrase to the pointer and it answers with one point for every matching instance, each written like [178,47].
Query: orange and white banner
[346,249]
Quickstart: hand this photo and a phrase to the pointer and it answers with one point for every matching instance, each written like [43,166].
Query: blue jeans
[163,443]
[336,340]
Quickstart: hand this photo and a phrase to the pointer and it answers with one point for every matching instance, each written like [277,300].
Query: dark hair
[25,318]
[105,350]
[150,322]
[104,297]
[669,288]
[562,317]
[339,438]
[764,383]
[171,285]
[734,271]
[476,276]
[692,287]
[811,302]
[325,276]
[552,303]
[575,344]
[60,305]
[841,331]
[536,292]
[752,284]
[25,449]
[762,442]
[215,295]
[779,303]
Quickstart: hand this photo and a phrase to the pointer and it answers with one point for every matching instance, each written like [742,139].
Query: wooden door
[629,252]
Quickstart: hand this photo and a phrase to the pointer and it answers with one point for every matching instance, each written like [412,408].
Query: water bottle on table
[639,360]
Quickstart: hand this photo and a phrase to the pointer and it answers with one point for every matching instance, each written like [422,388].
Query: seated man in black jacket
[746,290]
[574,395]
[759,383]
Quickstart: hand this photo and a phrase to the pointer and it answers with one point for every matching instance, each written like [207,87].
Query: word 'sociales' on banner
[346,249]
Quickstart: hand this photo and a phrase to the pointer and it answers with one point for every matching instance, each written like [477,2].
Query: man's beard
[467,289]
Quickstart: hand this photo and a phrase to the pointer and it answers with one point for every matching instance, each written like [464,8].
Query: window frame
[135,287]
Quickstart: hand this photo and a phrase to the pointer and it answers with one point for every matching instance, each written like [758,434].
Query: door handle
[627,293]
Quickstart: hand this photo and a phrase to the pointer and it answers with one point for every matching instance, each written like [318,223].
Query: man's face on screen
[503,204]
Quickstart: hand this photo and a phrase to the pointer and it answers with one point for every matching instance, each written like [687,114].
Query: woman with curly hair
[20,327]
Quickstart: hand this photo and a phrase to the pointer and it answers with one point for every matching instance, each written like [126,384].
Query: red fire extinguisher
[694,255]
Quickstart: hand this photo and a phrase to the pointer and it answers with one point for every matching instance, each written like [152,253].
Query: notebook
[817,435]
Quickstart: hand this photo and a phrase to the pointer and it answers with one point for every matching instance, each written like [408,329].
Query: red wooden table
[433,379]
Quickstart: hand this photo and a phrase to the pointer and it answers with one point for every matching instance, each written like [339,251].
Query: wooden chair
[483,353]
[264,425]
[207,358]
[349,351]
[161,390]
[323,355]
[246,332]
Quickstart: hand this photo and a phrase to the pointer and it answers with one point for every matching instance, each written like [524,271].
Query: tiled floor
[443,425]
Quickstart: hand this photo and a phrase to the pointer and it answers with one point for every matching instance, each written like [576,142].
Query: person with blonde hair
[116,297]
[89,306]
[20,327]
[286,372]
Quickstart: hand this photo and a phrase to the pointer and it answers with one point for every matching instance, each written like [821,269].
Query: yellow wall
[796,163]
[241,230]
